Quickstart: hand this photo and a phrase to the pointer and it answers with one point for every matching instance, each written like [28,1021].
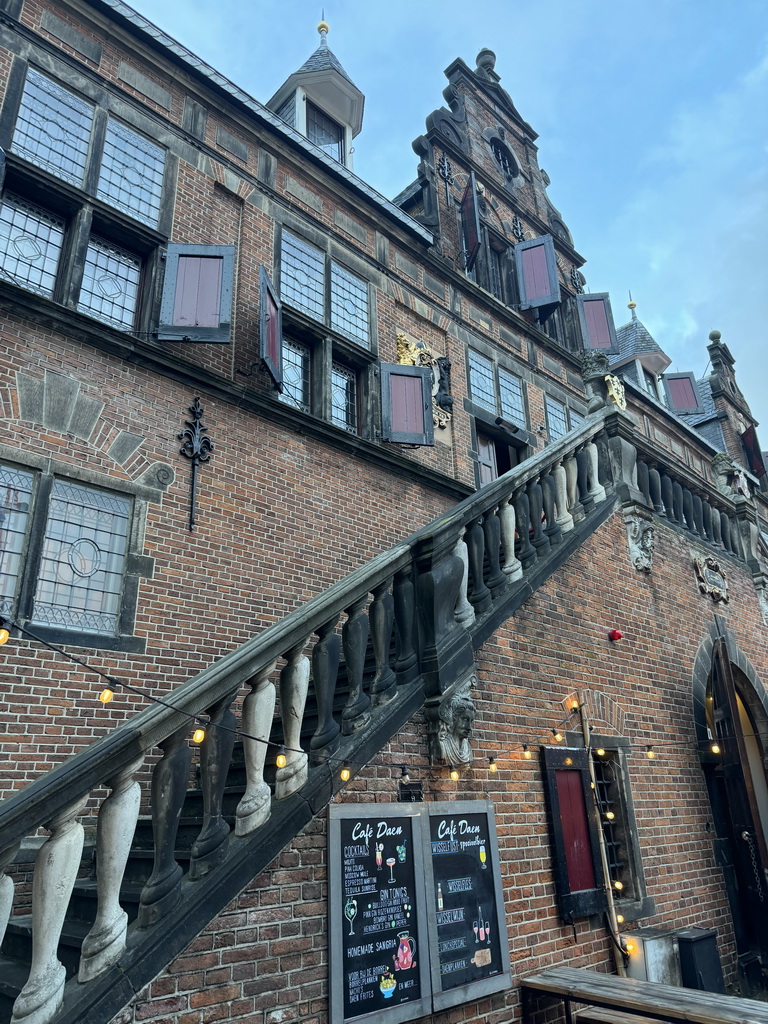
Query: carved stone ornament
[640,536]
[450,725]
[762,599]
[594,367]
[711,578]
[416,353]
[615,388]
[730,478]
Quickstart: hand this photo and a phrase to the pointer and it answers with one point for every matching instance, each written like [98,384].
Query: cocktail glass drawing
[488,932]
[482,855]
[350,912]
[390,864]
[379,854]
[474,929]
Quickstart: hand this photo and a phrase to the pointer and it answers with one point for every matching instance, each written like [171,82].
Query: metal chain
[748,838]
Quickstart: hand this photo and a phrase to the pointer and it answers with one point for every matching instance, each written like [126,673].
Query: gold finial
[631,305]
[323,27]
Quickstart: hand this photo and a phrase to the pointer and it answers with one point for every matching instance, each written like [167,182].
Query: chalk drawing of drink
[482,855]
[488,932]
[379,852]
[350,912]
[474,929]
[390,864]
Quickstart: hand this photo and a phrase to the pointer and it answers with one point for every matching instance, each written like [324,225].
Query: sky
[652,118]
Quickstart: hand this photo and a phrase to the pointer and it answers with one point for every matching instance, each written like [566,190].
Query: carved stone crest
[615,388]
[640,537]
[450,725]
[416,353]
[711,578]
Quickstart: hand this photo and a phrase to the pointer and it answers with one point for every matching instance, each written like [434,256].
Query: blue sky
[653,125]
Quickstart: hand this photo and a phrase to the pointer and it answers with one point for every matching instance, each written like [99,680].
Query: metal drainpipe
[616,943]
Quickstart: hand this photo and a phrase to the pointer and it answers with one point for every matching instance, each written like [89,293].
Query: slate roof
[323,59]
[705,422]
[633,339]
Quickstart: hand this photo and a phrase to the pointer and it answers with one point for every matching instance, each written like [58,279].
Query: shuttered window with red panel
[596,320]
[537,280]
[271,329]
[196,305]
[406,404]
[682,395]
[574,833]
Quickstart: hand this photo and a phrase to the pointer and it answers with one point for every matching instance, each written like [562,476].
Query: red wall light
[615,634]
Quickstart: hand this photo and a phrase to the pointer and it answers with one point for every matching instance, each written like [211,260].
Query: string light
[715,748]
[526,752]
[629,948]
[5,633]
[618,885]
[345,772]
[600,752]
[281,760]
[650,753]
[557,735]
[492,766]
[198,735]
[610,815]
[106,695]
[454,773]
[620,919]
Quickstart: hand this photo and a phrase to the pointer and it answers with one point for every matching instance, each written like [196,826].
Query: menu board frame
[426,874]
[373,814]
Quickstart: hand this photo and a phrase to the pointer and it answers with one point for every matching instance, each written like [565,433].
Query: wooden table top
[650,997]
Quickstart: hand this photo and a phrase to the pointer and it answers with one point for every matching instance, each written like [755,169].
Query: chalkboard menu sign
[416,915]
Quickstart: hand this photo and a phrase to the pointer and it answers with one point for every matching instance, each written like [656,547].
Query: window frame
[136,565]
[569,414]
[166,329]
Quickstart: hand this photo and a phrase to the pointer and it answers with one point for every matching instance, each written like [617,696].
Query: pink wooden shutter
[197,301]
[535,274]
[407,404]
[598,331]
[682,394]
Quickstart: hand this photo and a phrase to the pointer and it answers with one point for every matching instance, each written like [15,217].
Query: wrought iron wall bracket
[197,447]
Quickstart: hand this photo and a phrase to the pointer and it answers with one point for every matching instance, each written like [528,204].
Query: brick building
[324,476]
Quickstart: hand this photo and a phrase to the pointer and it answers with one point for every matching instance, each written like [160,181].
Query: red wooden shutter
[271,329]
[535,276]
[573,816]
[596,321]
[196,304]
[471,221]
[536,266]
[755,458]
[406,404]
[198,291]
[681,393]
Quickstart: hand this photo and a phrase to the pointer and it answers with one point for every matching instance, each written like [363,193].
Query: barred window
[110,287]
[344,398]
[131,176]
[30,243]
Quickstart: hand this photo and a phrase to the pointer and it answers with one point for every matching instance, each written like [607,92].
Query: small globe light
[5,635]
[610,815]
[620,919]
[650,753]
[106,695]
[281,760]
[526,753]
[600,752]
[618,885]
[345,772]
[715,748]
[454,773]
[198,735]
[492,766]
[557,735]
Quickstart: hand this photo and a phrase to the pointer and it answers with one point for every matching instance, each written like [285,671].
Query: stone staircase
[99,927]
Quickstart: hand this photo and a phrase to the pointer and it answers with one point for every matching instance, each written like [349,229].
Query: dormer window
[325,132]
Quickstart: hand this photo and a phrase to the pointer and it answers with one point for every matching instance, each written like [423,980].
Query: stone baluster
[479,594]
[56,868]
[496,580]
[677,502]
[527,550]
[706,520]
[735,535]
[654,490]
[717,535]
[464,612]
[549,497]
[582,480]
[7,857]
[644,481]
[698,515]
[725,531]
[105,942]
[668,496]
[572,486]
[294,686]
[596,489]
[258,711]
[511,567]
[210,847]
[536,506]
[169,787]
[325,669]
[688,510]
[564,517]
[407,661]
[381,616]
[354,639]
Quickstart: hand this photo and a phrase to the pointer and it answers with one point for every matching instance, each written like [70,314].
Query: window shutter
[196,304]
[573,828]
[682,395]
[537,275]
[596,319]
[755,459]
[471,222]
[406,404]
[271,330]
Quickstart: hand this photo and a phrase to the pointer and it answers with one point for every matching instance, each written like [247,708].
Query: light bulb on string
[198,735]
[610,815]
[715,747]
[454,773]
[620,919]
[405,778]
[600,751]
[558,736]
[345,772]
[650,753]
[618,885]
[492,766]
[281,760]
[526,752]
[5,633]
[106,695]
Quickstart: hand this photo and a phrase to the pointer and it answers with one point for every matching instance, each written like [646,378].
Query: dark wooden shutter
[406,404]
[596,319]
[487,467]
[755,459]
[537,275]
[682,395]
[271,331]
[196,304]
[574,828]
[470,219]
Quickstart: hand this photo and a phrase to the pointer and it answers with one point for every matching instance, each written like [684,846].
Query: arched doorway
[731,710]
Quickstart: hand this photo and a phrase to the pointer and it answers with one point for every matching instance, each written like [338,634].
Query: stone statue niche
[450,726]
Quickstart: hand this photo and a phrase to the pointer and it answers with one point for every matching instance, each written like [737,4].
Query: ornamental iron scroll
[711,578]
[197,447]
[416,353]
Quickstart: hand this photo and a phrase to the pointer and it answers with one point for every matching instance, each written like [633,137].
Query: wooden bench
[618,1000]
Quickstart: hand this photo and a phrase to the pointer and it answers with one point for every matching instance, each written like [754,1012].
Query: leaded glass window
[325,132]
[53,128]
[30,245]
[349,304]
[296,374]
[557,422]
[15,503]
[110,287]
[83,559]
[344,398]
[131,173]
[481,383]
[302,270]
[511,396]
